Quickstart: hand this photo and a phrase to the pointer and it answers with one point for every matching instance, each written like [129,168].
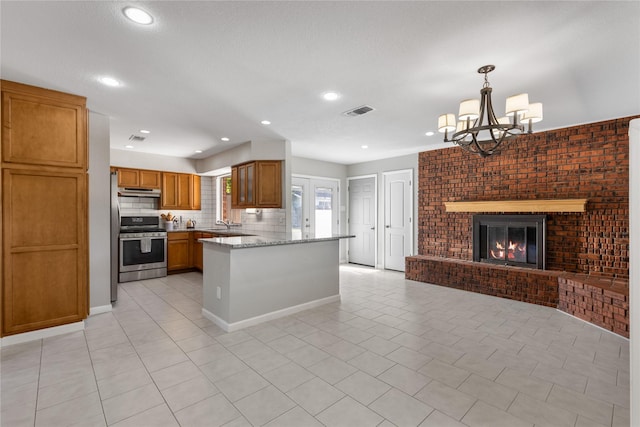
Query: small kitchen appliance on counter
[191,223]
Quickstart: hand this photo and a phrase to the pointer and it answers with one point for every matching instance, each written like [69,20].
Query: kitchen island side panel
[257,281]
[216,273]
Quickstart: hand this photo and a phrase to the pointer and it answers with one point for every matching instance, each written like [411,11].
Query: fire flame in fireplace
[515,251]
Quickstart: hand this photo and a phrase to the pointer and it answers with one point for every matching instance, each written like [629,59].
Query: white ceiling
[206,70]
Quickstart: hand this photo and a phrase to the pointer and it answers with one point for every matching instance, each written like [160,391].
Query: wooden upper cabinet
[234,183]
[268,184]
[139,178]
[185,184]
[180,191]
[43,127]
[169,190]
[196,200]
[128,178]
[150,179]
[257,184]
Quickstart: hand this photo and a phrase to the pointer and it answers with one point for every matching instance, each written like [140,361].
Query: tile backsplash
[269,220]
[206,217]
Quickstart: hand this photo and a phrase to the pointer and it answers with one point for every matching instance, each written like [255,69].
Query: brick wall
[603,302]
[589,161]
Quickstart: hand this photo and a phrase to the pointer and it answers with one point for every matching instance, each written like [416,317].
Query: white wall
[233,156]
[136,160]
[251,150]
[634,269]
[99,212]
[378,167]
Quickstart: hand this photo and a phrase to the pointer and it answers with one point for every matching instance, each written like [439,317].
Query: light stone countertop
[268,239]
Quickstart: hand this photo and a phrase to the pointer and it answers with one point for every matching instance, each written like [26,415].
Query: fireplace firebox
[517,240]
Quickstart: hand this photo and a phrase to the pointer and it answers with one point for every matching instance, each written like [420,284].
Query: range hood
[138,192]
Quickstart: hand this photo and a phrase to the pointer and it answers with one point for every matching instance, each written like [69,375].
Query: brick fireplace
[582,162]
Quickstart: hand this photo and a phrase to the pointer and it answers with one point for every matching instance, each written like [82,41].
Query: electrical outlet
[218,292]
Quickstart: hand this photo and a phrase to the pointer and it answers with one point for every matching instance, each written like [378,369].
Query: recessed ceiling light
[224,138]
[198,151]
[138,16]
[430,133]
[109,81]
[144,131]
[128,146]
[265,122]
[331,96]
[364,147]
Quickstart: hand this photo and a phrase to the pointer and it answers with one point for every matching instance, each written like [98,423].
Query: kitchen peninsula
[252,279]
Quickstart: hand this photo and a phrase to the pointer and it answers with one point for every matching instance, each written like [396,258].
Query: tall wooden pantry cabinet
[44,208]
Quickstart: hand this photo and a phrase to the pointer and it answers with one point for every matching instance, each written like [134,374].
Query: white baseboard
[232,327]
[41,333]
[100,309]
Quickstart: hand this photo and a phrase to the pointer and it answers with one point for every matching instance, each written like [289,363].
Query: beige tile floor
[392,352]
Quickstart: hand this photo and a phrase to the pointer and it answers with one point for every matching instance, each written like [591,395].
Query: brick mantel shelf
[534,205]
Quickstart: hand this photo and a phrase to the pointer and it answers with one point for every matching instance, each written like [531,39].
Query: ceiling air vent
[364,109]
[137,138]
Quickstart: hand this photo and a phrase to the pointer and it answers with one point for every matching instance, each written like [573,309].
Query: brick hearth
[518,283]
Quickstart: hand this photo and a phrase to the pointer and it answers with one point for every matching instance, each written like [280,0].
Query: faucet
[225,223]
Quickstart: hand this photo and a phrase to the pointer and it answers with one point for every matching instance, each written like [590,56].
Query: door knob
[373,228]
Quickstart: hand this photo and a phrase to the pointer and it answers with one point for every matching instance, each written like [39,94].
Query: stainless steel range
[143,248]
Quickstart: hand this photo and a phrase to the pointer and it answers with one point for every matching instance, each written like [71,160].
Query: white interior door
[398,207]
[362,220]
[314,207]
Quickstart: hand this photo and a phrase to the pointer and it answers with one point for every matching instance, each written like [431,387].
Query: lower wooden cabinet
[184,252]
[44,249]
[179,251]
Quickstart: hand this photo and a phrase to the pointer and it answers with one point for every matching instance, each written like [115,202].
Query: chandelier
[472,133]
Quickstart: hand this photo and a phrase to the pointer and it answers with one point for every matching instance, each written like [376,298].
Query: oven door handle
[128,239]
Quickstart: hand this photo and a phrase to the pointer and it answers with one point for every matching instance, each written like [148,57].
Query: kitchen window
[223,201]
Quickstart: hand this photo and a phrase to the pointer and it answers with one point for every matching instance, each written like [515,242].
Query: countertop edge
[220,241]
